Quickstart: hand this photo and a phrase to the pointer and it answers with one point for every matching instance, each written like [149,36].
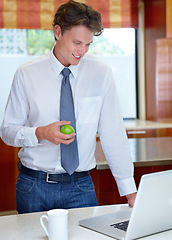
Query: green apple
[67,129]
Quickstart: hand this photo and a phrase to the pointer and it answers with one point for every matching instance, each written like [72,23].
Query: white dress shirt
[34,101]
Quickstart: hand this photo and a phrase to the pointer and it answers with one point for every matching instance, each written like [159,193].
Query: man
[33,112]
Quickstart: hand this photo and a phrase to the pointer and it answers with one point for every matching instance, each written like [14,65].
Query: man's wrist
[39,133]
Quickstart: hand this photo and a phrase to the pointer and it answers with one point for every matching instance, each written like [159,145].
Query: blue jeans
[36,195]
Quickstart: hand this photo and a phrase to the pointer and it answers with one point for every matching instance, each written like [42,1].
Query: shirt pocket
[88,109]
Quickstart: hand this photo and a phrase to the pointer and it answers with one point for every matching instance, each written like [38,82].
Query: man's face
[72,45]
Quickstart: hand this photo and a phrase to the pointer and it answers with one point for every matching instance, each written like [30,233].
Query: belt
[52,177]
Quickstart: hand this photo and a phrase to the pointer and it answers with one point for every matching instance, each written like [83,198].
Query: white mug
[57,224]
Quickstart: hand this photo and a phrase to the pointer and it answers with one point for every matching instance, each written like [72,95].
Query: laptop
[152,211]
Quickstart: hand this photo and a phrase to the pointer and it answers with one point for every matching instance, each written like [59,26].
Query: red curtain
[38,14]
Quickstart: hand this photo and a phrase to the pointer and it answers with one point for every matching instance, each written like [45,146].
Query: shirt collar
[74,69]
[58,67]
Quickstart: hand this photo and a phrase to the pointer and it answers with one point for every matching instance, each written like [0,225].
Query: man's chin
[74,63]
[75,60]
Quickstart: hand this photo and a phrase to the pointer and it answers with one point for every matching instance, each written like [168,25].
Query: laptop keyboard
[121,225]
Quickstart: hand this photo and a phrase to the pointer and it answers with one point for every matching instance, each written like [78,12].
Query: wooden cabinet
[158,59]
[106,188]
[154,28]
[164,78]
[8,176]
[148,133]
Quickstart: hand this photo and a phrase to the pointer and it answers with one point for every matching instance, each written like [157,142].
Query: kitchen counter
[144,124]
[148,155]
[28,227]
[144,152]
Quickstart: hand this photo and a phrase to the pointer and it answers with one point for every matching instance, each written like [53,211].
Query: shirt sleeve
[114,139]
[15,130]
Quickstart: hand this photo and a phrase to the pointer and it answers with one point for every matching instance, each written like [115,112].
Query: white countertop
[27,226]
[142,124]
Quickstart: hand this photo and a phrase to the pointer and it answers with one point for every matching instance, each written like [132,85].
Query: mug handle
[42,223]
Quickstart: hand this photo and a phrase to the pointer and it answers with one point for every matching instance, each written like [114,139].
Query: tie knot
[66,72]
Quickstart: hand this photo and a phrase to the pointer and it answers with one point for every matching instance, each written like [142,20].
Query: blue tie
[69,153]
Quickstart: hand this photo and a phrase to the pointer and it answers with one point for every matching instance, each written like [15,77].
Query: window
[115,46]
[17,47]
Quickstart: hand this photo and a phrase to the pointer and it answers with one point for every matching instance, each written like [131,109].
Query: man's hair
[74,13]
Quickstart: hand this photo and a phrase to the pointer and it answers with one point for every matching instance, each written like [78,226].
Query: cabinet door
[148,133]
[8,176]
[141,133]
[164,79]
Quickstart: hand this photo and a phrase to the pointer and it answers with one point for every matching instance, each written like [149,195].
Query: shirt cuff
[126,186]
[30,136]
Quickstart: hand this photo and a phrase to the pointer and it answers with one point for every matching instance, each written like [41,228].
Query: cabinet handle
[136,132]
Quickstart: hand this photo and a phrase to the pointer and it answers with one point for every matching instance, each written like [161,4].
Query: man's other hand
[131,199]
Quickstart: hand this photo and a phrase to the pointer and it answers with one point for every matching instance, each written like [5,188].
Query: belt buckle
[47,179]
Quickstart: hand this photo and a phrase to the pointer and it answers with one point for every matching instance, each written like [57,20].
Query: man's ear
[57,32]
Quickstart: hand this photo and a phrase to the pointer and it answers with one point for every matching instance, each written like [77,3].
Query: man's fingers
[67,141]
[62,123]
[64,138]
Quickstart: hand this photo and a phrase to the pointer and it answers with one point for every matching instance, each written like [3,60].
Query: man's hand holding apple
[51,132]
